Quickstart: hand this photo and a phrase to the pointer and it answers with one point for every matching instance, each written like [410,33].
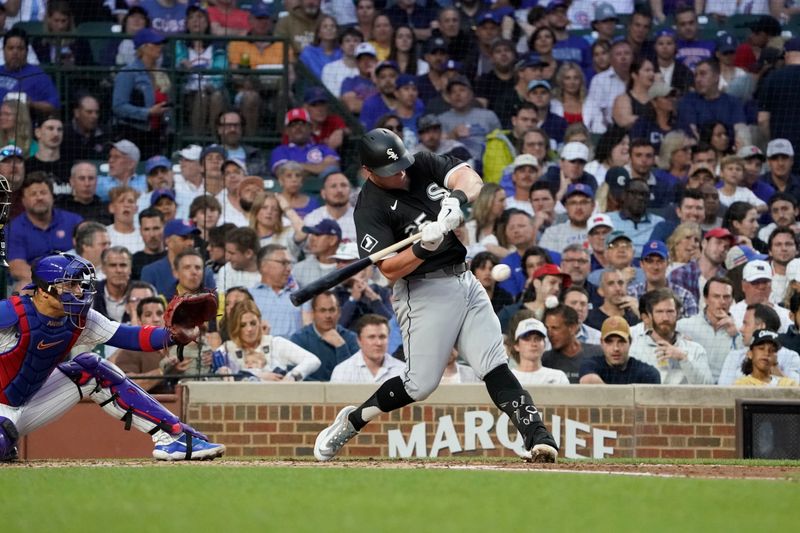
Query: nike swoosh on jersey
[45,345]
[393,206]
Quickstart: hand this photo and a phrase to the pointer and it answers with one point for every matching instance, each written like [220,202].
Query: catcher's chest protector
[43,343]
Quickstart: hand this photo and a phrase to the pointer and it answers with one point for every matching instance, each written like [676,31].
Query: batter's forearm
[467,180]
[400,265]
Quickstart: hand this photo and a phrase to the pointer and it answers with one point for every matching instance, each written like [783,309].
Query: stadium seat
[33,27]
[98,45]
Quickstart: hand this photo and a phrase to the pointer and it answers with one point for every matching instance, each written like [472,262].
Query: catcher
[37,385]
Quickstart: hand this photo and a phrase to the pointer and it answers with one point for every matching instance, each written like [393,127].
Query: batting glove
[450,215]
[432,235]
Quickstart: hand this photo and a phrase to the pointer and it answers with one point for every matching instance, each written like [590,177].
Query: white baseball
[551,302]
[501,272]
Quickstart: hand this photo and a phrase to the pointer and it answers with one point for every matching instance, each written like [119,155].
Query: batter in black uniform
[438,302]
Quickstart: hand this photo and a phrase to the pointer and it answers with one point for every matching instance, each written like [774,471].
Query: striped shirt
[276,308]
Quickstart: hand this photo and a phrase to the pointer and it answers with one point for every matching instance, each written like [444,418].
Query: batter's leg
[481,344]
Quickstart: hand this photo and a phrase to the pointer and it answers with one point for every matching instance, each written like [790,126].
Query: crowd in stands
[639,163]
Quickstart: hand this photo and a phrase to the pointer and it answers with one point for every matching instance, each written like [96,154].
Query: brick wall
[668,422]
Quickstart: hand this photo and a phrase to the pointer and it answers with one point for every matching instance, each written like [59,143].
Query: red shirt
[745,57]
[235,19]
[318,135]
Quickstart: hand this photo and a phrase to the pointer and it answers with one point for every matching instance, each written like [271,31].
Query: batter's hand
[432,235]
[450,214]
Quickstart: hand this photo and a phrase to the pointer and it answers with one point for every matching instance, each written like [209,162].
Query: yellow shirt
[382,51]
[750,381]
[271,55]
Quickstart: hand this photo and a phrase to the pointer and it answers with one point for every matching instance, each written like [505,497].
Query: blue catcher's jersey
[42,343]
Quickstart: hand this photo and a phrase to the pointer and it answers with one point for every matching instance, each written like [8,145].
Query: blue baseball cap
[326,226]
[452,65]
[315,95]
[616,235]
[555,4]
[531,60]
[726,44]
[534,84]
[655,247]
[148,36]
[405,79]
[181,227]
[578,188]
[665,32]
[386,64]
[158,194]
[155,162]
[212,149]
[261,10]
[488,16]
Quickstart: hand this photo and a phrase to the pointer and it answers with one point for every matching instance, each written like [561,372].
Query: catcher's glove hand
[188,314]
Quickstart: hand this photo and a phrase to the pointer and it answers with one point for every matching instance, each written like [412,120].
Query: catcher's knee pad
[87,366]
[8,439]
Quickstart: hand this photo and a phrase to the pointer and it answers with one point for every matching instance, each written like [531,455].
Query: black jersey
[386,216]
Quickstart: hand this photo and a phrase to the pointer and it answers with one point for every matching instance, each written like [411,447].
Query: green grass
[207,498]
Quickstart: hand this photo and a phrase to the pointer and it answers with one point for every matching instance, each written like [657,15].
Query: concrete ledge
[583,395]
[218,392]
[698,395]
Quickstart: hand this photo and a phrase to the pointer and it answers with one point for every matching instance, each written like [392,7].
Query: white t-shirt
[523,205]
[738,7]
[132,241]
[742,194]
[543,376]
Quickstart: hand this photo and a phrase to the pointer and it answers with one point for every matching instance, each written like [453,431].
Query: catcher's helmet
[70,278]
[384,153]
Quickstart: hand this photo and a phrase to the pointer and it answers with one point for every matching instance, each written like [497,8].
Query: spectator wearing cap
[757,288]
[314,158]
[573,159]
[17,75]
[653,261]
[163,200]
[600,17]
[409,13]
[567,353]
[151,228]
[579,204]
[12,166]
[179,236]
[432,83]
[429,132]
[539,94]
[478,60]
[83,138]
[759,317]
[495,89]
[233,172]
[189,180]
[299,25]
[465,121]
[530,339]
[726,49]
[714,248]
[40,229]
[323,241]
[211,159]
[633,217]
[335,194]
[606,86]
[781,175]
[691,50]
[123,157]
[679,361]
[597,229]
[82,198]
[615,366]
[140,99]
[49,134]
[762,30]
[524,175]
[783,210]
[501,144]
[754,160]
[384,101]
[335,72]
[409,108]
[123,207]
[547,280]
[619,255]
[357,295]
[356,89]
[708,104]
[567,47]
[158,173]
[782,248]
[691,208]
[166,16]
[673,73]
[230,127]
[440,103]
[761,362]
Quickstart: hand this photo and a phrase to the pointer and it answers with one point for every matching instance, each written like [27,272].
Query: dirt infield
[711,471]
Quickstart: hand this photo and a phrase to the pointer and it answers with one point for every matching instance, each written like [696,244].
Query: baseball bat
[337,276]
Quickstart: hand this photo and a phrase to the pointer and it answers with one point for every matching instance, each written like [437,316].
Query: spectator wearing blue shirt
[574,156]
[691,50]
[632,219]
[380,103]
[178,236]
[17,75]
[615,366]
[273,293]
[325,47]
[123,157]
[539,93]
[356,89]
[708,104]
[166,16]
[40,230]
[314,158]
[572,48]
[780,159]
[324,337]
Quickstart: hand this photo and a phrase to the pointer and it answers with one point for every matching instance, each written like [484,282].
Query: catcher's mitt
[187,314]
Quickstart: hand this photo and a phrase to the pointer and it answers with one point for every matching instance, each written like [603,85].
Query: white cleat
[540,453]
[331,439]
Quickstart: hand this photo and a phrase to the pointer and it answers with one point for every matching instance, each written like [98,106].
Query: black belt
[444,272]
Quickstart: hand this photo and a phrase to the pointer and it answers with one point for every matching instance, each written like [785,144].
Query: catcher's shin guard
[8,439]
[122,398]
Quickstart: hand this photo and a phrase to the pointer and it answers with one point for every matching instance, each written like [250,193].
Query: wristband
[460,195]
[421,252]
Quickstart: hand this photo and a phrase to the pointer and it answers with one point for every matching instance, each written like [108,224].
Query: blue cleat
[177,450]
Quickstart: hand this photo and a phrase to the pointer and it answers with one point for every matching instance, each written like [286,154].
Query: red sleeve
[744,58]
